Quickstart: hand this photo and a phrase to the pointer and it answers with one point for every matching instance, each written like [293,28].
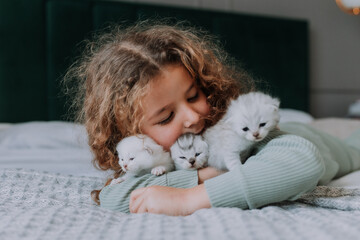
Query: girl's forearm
[207,173]
[197,198]
[169,200]
[173,200]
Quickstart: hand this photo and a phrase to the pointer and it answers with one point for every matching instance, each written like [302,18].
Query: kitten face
[189,152]
[132,153]
[253,115]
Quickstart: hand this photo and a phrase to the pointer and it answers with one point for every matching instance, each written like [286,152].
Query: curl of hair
[111,77]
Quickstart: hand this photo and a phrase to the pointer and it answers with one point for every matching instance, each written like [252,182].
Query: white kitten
[139,155]
[248,119]
[190,151]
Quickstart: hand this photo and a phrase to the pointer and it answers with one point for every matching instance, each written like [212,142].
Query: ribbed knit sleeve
[284,167]
[117,197]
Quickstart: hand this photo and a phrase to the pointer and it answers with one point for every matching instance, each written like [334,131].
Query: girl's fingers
[136,202]
[136,193]
[142,209]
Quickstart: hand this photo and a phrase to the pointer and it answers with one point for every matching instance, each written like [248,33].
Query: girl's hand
[169,200]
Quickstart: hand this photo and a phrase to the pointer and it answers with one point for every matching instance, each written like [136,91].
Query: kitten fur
[190,151]
[248,120]
[139,155]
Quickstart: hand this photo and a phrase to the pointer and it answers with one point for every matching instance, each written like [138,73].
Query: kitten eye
[131,159]
[183,157]
[262,124]
[197,154]
[122,160]
[245,129]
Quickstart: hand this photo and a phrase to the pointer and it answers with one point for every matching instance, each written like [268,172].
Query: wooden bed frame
[41,44]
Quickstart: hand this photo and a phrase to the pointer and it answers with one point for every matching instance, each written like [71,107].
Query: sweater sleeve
[117,197]
[285,167]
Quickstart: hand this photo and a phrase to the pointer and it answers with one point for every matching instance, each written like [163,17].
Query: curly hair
[112,76]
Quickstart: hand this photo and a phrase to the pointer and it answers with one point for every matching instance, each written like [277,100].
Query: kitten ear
[148,149]
[275,103]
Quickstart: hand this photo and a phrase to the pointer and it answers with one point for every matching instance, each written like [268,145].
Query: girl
[165,81]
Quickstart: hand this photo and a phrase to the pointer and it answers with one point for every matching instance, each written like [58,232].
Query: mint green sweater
[282,167]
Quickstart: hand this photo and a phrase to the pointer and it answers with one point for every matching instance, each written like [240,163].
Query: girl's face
[175,105]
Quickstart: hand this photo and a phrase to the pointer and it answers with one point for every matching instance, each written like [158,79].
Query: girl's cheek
[206,109]
[164,136]
[204,106]
[171,135]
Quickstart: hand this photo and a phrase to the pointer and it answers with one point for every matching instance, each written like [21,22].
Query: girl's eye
[167,120]
[245,129]
[183,157]
[131,159]
[194,98]
[262,124]
[197,154]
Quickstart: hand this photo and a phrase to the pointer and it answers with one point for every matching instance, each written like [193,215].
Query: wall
[334,45]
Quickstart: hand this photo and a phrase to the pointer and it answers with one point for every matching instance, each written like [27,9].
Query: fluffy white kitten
[248,119]
[139,155]
[190,151]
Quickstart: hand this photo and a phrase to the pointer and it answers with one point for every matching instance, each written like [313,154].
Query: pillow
[339,127]
[53,134]
[292,115]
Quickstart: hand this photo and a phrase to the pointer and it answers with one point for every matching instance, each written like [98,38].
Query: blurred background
[334,50]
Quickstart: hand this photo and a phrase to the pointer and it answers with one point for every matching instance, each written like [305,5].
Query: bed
[46,180]
[45,164]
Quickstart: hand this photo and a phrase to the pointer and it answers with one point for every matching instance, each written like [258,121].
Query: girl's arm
[169,200]
[117,197]
[285,168]
[173,201]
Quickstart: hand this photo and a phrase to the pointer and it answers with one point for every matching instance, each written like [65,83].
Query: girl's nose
[191,117]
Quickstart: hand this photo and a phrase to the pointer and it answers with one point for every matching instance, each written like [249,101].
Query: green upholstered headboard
[39,41]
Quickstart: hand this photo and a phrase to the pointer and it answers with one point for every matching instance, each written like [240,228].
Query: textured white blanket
[38,205]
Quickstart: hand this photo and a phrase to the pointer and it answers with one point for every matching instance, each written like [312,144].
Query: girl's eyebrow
[165,107]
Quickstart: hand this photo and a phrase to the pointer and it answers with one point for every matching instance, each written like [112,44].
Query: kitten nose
[256,134]
[125,166]
[192,161]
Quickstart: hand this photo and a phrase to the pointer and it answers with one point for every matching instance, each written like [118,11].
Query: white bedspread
[56,204]
[37,205]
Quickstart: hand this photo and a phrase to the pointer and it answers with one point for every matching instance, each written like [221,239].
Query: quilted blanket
[40,205]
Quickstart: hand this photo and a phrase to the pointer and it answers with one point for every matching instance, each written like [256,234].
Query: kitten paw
[233,165]
[160,170]
[116,181]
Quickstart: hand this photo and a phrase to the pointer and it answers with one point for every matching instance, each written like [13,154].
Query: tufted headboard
[40,40]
